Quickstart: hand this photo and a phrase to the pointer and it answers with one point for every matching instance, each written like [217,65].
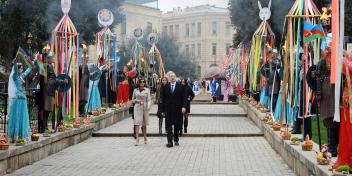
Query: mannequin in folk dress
[215,88]
[196,88]
[94,99]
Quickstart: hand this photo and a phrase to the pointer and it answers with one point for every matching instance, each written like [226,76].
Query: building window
[177,31]
[149,27]
[187,49]
[193,49]
[199,49]
[214,26]
[123,24]
[199,29]
[165,30]
[228,46]
[199,70]
[213,49]
[193,29]
[187,30]
[228,28]
[171,29]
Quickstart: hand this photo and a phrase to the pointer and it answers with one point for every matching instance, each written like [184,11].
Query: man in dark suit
[173,105]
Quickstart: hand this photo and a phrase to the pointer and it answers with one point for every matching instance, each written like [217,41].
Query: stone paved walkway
[197,125]
[211,109]
[198,156]
[194,156]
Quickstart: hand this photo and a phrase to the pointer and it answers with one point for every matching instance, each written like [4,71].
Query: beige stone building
[204,33]
[134,16]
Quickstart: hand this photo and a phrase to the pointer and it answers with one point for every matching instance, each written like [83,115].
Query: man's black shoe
[181,133]
[177,144]
[168,145]
[185,130]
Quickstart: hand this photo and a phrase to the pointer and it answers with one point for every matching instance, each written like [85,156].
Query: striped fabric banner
[23,54]
[42,70]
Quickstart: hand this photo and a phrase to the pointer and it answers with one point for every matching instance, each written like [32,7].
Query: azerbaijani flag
[23,54]
[40,63]
[312,32]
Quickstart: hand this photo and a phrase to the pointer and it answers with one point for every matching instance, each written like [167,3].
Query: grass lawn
[323,132]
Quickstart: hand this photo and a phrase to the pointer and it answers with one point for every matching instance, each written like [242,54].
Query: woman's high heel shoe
[137,142]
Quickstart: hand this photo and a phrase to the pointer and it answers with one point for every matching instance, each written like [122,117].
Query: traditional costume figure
[227,91]
[123,89]
[196,88]
[94,100]
[46,95]
[345,140]
[84,86]
[208,87]
[203,86]
[264,94]
[326,98]
[215,89]
[18,126]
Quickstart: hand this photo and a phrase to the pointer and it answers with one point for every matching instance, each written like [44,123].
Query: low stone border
[19,156]
[108,119]
[301,162]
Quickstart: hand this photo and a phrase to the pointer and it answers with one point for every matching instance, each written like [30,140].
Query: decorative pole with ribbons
[105,43]
[302,12]
[154,55]
[138,54]
[64,41]
[262,41]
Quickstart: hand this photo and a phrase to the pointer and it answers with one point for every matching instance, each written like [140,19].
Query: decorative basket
[4,146]
[61,128]
[96,113]
[87,121]
[276,127]
[323,161]
[286,136]
[264,110]
[34,137]
[307,147]
[76,125]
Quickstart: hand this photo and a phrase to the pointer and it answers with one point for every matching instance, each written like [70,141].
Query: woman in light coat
[141,98]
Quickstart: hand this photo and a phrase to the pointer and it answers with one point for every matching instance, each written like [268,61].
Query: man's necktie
[172,88]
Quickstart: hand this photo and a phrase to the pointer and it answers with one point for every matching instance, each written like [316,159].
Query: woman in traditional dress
[123,89]
[227,91]
[163,82]
[17,107]
[345,139]
[141,98]
[94,99]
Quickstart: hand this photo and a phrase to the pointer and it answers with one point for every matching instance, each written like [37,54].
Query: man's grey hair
[169,73]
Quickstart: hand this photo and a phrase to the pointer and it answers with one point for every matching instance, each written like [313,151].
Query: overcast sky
[168,5]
